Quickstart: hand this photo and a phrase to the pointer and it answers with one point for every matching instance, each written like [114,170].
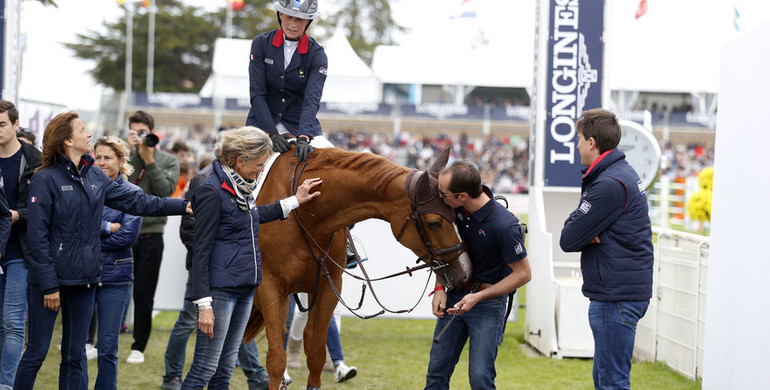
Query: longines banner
[573,83]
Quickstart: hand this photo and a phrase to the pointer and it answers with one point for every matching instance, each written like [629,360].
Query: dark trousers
[77,305]
[148,253]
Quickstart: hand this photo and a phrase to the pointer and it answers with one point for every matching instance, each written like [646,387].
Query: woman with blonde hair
[66,197]
[118,234]
[226,264]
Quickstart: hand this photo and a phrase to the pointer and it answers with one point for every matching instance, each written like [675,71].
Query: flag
[641,10]
[736,17]
[467,10]
[236,5]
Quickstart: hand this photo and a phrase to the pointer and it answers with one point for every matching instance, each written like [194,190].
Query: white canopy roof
[666,50]
[349,79]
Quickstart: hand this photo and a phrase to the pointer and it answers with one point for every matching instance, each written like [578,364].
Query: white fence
[672,331]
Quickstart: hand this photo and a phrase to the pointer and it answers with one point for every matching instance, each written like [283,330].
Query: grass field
[389,354]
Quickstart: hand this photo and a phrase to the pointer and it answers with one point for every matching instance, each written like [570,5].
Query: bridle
[436,260]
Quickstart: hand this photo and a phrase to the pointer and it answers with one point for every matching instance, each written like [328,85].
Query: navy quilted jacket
[64,219]
[614,208]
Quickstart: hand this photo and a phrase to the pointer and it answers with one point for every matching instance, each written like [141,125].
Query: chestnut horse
[356,187]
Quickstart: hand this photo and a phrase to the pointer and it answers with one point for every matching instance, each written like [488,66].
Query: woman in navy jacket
[118,234]
[226,261]
[66,197]
[287,72]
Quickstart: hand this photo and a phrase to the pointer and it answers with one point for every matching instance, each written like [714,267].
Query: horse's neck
[350,198]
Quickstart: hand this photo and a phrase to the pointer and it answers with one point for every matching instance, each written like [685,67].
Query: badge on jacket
[585,206]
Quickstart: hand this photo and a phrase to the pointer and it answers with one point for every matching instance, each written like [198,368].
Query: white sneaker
[135,357]
[91,352]
[344,372]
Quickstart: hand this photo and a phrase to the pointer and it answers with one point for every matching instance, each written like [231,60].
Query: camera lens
[151,140]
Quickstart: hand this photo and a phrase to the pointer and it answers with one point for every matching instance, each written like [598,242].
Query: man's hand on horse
[206,322]
[303,192]
[280,141]
[303,148]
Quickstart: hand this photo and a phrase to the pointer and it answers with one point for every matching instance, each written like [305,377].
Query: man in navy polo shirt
[500,266]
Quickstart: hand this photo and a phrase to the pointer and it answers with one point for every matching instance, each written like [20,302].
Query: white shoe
[135,357]
[344,372]
[91,352]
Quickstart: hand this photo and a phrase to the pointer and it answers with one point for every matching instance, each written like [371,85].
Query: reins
[433,264]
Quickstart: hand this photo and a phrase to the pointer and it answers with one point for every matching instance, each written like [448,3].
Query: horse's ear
[440,162]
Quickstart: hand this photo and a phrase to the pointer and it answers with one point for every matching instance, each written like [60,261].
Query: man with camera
[156,173]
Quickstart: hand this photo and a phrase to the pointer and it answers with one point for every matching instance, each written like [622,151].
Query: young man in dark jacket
[18,161]
[611,227]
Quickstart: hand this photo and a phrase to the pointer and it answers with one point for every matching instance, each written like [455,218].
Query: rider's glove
[303,149]
[280,143]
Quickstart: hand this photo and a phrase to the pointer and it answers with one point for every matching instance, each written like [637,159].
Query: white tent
[659,52]
[348,80]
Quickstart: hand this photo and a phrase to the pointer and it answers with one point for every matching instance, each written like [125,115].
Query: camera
[149,139]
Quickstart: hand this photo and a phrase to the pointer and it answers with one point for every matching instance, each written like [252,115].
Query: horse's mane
[377,170]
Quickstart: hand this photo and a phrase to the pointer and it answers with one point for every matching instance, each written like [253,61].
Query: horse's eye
[436,225]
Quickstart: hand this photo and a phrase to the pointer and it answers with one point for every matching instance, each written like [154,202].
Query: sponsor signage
[573,83]
[172,100]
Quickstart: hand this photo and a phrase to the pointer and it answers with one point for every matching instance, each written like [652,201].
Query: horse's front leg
[274,308]
[315,335]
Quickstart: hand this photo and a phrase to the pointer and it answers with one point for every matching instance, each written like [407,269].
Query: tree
[369,23]
[184,48]
[185,36]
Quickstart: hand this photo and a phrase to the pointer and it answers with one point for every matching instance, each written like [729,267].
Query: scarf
[243,188]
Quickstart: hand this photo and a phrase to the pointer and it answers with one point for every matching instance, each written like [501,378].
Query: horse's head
[434,238]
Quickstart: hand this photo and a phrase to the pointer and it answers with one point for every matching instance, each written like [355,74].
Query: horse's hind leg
[274,309]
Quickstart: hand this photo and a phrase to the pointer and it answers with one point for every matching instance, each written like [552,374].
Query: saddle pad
[317,142]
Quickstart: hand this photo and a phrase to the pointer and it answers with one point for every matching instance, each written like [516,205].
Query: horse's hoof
[313,387]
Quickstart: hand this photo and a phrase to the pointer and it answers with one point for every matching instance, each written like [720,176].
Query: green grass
[389,354]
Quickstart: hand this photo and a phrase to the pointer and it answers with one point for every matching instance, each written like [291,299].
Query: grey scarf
[243,188]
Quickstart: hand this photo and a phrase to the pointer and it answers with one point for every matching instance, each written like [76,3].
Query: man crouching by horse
[226,262]
[500,266]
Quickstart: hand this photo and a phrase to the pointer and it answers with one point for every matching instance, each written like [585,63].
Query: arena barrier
[672,331]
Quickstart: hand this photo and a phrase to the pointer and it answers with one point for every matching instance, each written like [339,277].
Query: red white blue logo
[33,199]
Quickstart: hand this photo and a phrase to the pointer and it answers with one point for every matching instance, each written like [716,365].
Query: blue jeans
[614,327]
[214,358]
[13,309]
[111,301]
[334,343]
[185,324]
[77,305]
[177,342]
[483,324]
[248,356]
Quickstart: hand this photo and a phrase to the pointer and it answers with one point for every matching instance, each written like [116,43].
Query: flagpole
[128,68]
[151,49]
[229,21]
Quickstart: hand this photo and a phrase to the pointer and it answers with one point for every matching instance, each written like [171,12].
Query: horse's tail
[255,325]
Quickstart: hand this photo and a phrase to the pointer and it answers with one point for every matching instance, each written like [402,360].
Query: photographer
[156,173]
